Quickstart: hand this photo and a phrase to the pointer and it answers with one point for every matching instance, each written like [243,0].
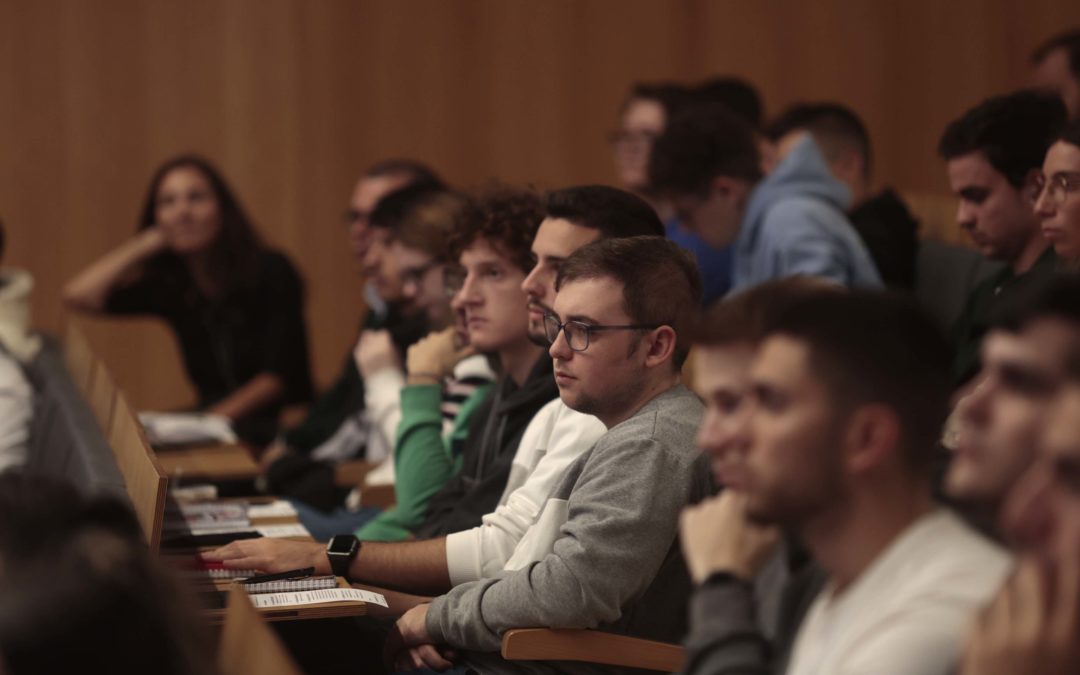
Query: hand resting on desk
[271,555]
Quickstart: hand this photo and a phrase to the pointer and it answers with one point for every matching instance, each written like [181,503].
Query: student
[789,223]
[836,440]
[1033,624]
[235,305]
[993,155]
[418,222]
[642,120]
[18,346]
[1002,411]
[79,588]
[604,553]
[882,220]
[1058,207]
[555,438]
[1057,69]
[334,408]
[718,543]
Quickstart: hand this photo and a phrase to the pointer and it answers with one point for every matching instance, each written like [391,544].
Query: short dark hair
[1057,296]
[661,282]
[389,210]
[834,126]
[77,573]
[878,347]
[746,317]
[614,212]
[421,216]
[505,217]
[1070,133]
[702,142]
[416,172]
[736,93]
[1013,131]
[1070,42]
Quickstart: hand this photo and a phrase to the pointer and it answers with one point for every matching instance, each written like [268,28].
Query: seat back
[102,396]
[147,484]
[78,356]
[248,646]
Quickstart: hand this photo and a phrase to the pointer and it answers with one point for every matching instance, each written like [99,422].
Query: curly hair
[505,217]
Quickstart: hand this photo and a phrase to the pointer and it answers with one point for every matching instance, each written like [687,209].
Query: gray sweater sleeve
[622,517]
[724,635]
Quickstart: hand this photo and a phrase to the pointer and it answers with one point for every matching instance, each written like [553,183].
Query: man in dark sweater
[993,155]
[345,397]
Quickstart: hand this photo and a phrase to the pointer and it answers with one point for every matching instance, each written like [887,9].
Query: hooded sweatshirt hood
[795,224]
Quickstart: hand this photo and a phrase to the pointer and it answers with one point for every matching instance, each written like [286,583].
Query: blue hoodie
[795,225]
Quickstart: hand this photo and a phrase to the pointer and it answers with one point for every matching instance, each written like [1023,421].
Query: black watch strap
[341,551]
[723,577]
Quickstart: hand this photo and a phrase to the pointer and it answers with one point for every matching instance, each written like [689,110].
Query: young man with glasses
[1059,202]
[993,155]
[334,408]
[603,553]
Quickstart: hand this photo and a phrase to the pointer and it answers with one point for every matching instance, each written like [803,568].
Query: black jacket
[891,235]
[494,435]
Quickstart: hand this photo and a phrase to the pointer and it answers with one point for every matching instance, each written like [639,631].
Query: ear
[659,346]
[849,166]
[873,433]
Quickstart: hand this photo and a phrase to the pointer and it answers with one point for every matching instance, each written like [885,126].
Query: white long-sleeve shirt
[555,437]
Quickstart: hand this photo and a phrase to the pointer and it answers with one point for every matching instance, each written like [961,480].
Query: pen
[291,574]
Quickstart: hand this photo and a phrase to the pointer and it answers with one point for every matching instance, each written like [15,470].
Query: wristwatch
[340,551]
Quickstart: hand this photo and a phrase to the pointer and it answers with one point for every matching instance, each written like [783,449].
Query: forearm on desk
[417,567]
[261,390]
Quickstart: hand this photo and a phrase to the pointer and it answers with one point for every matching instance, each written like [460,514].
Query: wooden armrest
[351,474]
[592,646]
[377,495]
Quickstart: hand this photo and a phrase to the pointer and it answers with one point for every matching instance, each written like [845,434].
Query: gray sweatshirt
[614,564]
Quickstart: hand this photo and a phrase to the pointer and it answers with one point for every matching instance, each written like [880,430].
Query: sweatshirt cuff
[435,621]
[463,556]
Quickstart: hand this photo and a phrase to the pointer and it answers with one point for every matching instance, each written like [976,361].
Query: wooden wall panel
[292,98]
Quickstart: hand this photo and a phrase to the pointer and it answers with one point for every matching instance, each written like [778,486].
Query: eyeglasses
[631,138]
[1058,185]
[453,279]
[415,275]
[577,332]
[352,216]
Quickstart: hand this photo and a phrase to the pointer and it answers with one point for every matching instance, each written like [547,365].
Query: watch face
[342,544]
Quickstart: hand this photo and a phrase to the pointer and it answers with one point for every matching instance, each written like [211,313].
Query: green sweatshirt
[424,459]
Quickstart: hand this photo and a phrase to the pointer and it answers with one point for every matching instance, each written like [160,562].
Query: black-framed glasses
[454,279]
[1059,185]
[577,332]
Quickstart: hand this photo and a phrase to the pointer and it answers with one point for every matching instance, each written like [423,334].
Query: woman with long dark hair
[236,306]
